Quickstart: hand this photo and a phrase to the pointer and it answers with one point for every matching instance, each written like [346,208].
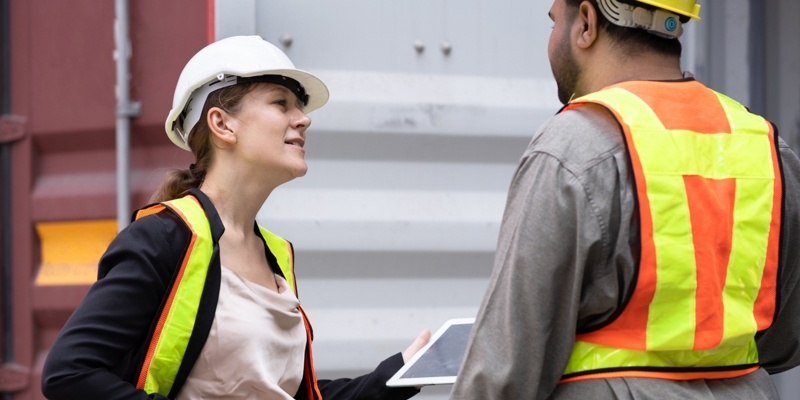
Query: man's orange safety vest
[708,183]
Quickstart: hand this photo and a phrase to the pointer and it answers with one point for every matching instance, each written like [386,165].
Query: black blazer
[101,349]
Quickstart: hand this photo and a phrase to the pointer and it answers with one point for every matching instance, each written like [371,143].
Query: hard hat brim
[694,13]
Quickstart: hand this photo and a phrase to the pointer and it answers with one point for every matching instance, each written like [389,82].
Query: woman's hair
[178,181]
[633,40]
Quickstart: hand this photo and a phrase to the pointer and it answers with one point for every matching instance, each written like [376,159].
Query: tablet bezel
[396,381]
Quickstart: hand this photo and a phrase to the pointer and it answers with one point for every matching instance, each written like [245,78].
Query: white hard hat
[226,63]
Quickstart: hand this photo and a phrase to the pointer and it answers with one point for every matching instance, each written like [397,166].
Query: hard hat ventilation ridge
[658,22]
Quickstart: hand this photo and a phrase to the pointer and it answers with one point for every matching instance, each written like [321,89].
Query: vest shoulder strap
[177,318]
[283,252]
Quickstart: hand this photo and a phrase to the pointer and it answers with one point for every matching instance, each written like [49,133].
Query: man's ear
[223,126]
[586,25]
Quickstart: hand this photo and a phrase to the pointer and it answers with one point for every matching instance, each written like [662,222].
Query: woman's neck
[237,197]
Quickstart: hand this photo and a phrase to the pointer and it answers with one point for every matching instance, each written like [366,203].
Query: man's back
[565,262]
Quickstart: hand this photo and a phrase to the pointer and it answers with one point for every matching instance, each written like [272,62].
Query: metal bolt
[419,46]
[446,48]
[285,39]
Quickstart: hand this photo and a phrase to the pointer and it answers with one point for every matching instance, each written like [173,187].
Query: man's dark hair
[631,40]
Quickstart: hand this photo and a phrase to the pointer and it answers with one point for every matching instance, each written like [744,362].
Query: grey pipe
[8,316]
[5,155]
[125,111]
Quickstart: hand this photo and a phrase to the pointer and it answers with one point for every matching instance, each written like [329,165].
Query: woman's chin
[282,172]
[299,171]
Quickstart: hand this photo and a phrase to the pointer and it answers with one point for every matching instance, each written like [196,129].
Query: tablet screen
[444,357]
[438,362]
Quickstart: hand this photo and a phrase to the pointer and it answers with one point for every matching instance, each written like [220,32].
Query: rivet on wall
[285,39]
[419,46]
[446,48]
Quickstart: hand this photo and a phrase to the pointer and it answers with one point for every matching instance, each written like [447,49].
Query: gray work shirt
[564,262]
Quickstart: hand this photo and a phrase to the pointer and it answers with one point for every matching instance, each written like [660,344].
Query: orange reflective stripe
[149,211]
[311,382]
[311,373]
[765,302]
[672,376]
[677,109]
[711,210]
[165,312]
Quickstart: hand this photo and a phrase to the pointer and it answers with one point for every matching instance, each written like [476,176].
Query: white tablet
[437,363]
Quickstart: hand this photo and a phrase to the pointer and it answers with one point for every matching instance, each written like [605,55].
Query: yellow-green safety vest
[709,191]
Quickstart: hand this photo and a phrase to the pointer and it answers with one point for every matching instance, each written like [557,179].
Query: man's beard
[566,71]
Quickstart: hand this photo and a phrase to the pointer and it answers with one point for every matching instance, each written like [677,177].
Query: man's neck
[645,67]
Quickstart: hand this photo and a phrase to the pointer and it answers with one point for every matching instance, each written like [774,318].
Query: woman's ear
[223,126]
[588,24]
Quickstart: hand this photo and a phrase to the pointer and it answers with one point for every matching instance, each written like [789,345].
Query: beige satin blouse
[256,345]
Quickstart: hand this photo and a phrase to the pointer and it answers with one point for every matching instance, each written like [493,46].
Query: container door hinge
[131,110]
[14,378]
[12,128]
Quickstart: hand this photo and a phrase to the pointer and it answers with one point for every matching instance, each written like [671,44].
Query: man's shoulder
[579,138]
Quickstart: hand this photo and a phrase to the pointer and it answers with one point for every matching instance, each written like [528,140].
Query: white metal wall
[396,222]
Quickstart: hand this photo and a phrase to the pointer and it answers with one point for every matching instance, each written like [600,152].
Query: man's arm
[779,346]
[525,329]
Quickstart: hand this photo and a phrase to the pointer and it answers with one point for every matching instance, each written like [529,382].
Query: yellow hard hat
[688,8]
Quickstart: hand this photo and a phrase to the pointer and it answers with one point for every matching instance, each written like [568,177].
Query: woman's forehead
[266,89]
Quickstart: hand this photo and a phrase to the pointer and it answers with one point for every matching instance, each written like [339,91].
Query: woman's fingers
[419,342]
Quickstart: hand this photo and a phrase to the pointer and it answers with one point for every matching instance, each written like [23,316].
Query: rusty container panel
[63,82]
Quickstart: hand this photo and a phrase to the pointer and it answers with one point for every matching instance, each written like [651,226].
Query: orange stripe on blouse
[311,373]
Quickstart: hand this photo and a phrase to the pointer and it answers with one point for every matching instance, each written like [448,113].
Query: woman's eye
[281,103]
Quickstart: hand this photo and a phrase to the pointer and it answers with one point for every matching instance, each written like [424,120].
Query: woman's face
[272,131]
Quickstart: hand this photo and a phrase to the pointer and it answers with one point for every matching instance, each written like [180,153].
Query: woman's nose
[301,120]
